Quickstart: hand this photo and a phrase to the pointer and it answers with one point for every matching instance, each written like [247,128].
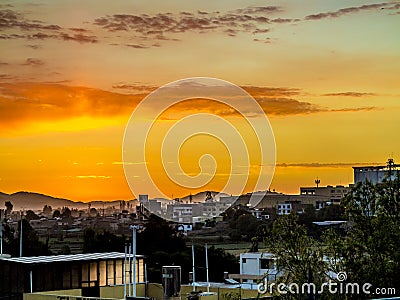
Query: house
[87,272]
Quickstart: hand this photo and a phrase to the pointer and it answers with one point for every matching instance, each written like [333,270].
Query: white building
[255,266]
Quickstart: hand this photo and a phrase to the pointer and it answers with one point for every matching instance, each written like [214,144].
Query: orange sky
[71,73]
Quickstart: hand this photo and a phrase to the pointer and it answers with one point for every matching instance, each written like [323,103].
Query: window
[118,272]
[266,263]
[110,272]
[102,273]
[243,260]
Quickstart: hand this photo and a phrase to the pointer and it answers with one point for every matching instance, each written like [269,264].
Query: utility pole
[134,228]
[20,237]
[193,269]
[1,232]
[208,280]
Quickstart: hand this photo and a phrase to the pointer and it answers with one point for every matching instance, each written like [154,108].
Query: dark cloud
[34,47]
[350,10]
[280,20]
[12,36]
[257,91]
[5,77]
[350,94]
[259,10]
[287,106]
[33,62]
[80,30]
[135,87]
[79,37]
[136,46]
[41,36]
[257,30]
[12,20]
[251,19]
[265,41]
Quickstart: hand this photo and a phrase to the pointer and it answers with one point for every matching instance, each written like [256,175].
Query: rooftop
[69,257]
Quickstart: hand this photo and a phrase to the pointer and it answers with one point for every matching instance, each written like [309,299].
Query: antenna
[317,182]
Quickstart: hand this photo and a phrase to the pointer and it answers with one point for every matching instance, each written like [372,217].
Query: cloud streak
[352,10]
[350,94]
[326,165]
[12,20]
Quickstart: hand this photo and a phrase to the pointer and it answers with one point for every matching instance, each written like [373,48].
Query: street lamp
[134,228]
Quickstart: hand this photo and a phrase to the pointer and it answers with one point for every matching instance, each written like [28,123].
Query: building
[332,194]
[183,213]
[87,272]
[375,174]
[254,266]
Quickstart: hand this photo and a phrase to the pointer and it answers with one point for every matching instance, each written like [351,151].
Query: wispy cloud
[33,62]
[79,37]
[327,165]
[93,177]
[126,163]
[13,20]
[350,94]
[351,10]
[161,26]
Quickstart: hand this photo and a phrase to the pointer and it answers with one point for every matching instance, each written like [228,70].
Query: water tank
[171,281]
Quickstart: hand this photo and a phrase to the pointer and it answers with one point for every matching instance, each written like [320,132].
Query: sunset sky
[325,72]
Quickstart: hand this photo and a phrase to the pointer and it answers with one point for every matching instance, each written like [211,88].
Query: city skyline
[325,73]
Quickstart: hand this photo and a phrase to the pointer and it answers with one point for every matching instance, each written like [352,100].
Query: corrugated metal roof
[69,257]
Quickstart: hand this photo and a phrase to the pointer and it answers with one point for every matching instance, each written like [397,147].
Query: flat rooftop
[68,258]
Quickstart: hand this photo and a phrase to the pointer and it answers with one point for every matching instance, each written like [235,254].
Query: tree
[31,246]
[47,209]
[300,257]
[56,214]
[66,212]
[371,249]
[9,207]
[30,215]
[102,241]
[93,211]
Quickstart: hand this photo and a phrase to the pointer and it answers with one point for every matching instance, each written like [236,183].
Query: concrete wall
[118,291]
[42,295]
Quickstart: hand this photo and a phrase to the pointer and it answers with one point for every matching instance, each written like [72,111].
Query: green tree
[300,257]
[371,249]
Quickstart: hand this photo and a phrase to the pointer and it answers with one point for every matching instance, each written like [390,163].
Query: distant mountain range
[36,201]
